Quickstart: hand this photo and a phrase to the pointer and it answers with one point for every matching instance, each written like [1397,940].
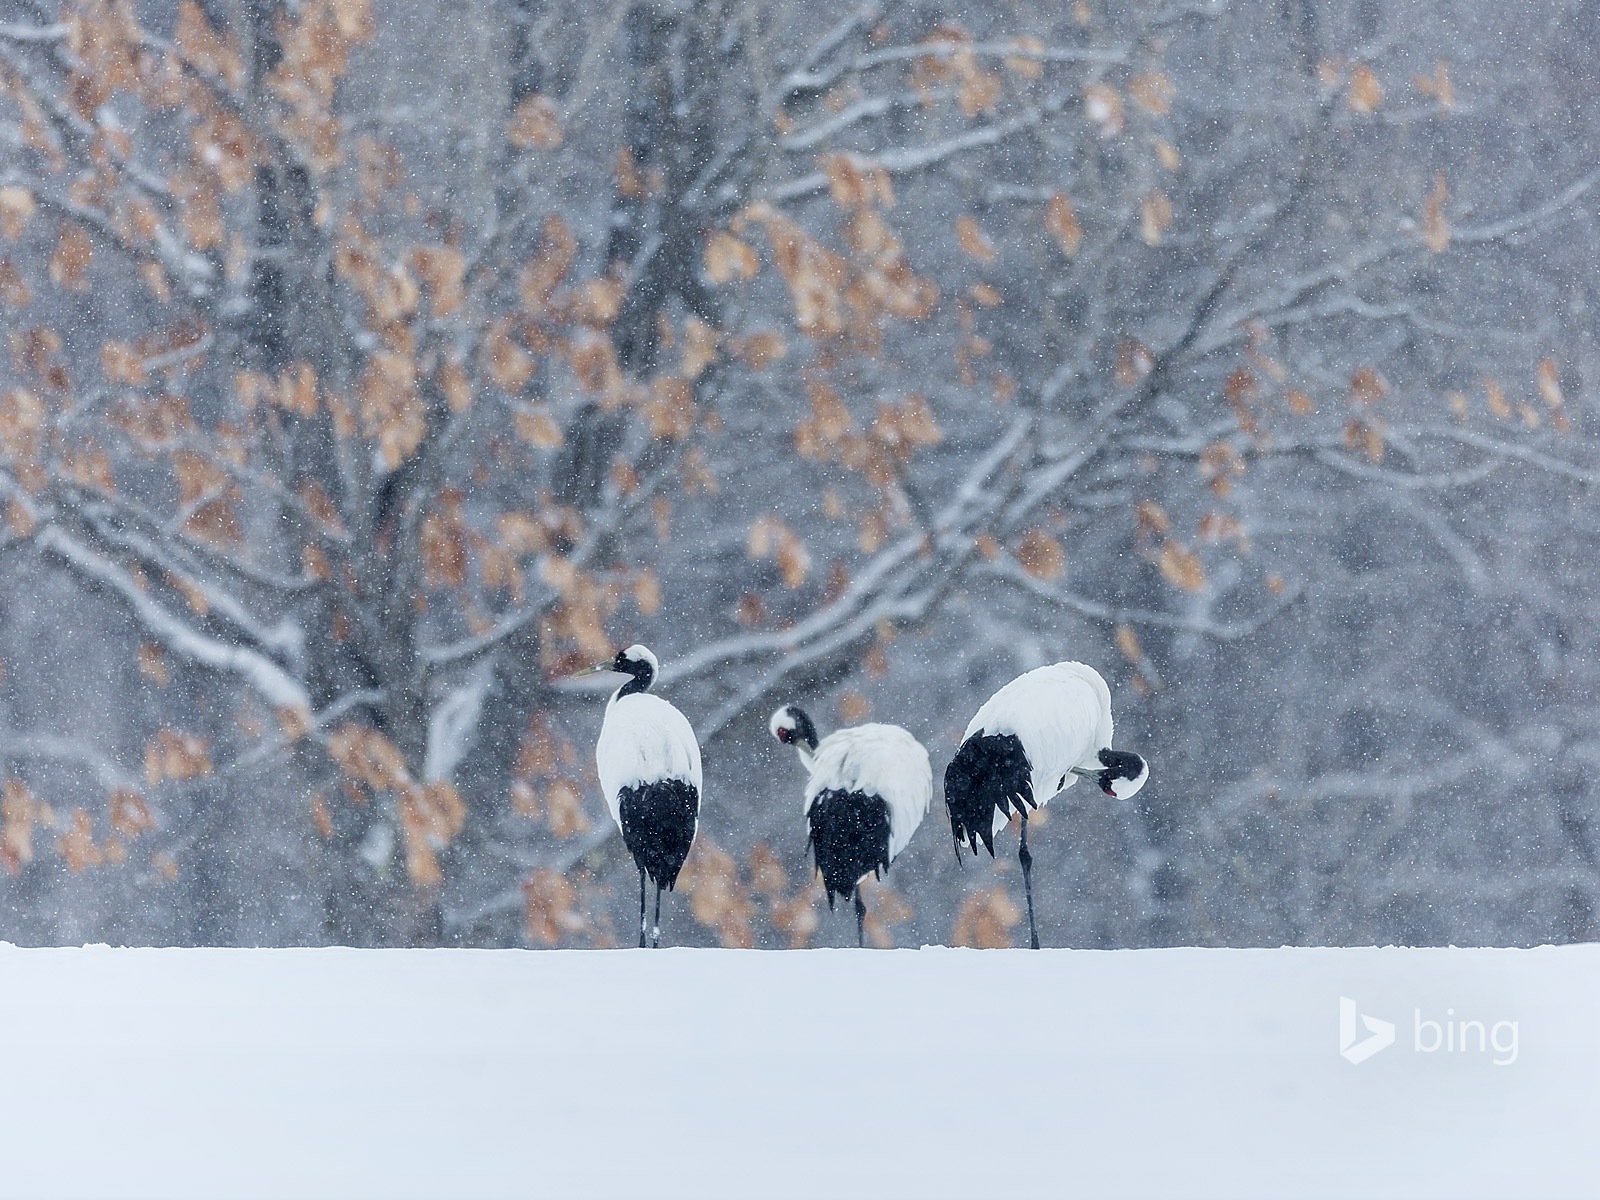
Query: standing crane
[1037,735]
[649,763]
[869,789]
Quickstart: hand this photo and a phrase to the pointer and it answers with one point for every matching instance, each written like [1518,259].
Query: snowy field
[694,1073]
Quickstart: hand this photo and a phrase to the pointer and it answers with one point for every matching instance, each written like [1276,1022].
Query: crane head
[636,660]
[1121,773]
[791,726]
[1124,774]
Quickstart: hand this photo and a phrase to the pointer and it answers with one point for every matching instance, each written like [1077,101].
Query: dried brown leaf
[1435,228]
[1128,644]
[76,846]
[391,410]
[853,707]
[985,920]
[771,538]
[1025,63]
[1366,93]
[367,757]
[539,429]
[69,264]
[153,663]
[430,816]
[178,756]
[728,258]
[536,125]
[321,816]
[130,815]
[979,92]
[295,721]
[1042,556]
[1549,378]
[1182,567]
[1155,217]
[647,593]
[443,541]
[670,408]
[760,350]
[1151,520]
[700,343]
[1496,397]
[540,278]
[202,47]
[1061,220]
[856,182]
[549,904]
[563,809]
[717,897]
[14,291]
[973,241]
[1152,91]
[21,811]
[1437,85]
[443,271]
[1367,436]
[1367,387]
[16,210]
[767,876]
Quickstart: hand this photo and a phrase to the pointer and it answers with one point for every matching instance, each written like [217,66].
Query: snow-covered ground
[222,1073]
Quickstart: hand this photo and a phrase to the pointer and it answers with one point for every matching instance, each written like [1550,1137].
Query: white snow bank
[828,1073]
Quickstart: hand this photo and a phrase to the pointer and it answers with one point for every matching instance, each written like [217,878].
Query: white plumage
[649,765]
[1062,714]
[877,760]
[1035,736]
[644,740]
[869,788]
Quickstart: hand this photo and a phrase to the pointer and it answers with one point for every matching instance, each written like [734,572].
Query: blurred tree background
[371,365]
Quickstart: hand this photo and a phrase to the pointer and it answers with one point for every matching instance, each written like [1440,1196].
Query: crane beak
[594,670]
[1094,777]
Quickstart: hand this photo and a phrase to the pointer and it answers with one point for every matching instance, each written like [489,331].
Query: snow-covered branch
[117,523]
[919,158]
[820,80]
[861,110]
[269,680]
[1533,218]
[33,34]
[56,748]
[1115,615]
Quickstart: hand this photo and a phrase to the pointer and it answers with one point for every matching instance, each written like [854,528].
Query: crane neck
[639,683]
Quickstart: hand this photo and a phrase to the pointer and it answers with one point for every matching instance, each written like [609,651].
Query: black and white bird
[869,789]
[1032,738]
[649,764]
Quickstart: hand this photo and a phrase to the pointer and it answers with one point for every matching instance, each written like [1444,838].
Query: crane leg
[641,908]
[1025,857]
[655,933]
[861,919]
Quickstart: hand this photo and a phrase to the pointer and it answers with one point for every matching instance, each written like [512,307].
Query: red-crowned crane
[869,789]
[649,764]
[1032,738]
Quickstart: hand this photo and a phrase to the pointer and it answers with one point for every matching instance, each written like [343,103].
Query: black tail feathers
[989,773]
